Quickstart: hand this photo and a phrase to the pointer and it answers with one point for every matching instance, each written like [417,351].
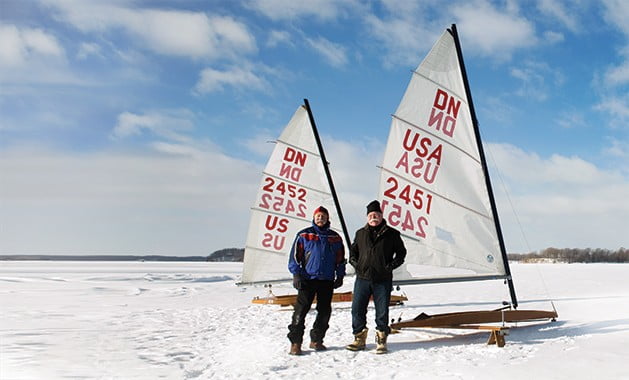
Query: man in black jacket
[377,250]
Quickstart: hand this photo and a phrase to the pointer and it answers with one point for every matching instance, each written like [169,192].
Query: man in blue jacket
[317,262]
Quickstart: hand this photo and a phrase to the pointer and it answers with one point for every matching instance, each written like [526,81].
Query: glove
[338,282]
[297,281]
[353,262]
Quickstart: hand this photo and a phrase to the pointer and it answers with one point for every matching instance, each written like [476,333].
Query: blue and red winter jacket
[317,253]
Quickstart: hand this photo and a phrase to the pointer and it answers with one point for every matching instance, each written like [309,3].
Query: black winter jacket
[375,259]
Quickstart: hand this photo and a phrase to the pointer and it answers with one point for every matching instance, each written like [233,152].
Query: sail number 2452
[289,201]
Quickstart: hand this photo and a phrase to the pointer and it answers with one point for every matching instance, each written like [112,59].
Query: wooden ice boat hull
[475,317]
[291,299]
[474,320]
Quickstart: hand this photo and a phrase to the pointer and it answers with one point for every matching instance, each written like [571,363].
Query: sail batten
[415,72]
[295,183]
[444,198]
[297,147]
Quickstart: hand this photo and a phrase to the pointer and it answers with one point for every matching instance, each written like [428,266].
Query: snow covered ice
[188,320]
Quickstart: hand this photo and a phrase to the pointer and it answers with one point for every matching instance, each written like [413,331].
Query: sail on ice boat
[295,181]
[435,188]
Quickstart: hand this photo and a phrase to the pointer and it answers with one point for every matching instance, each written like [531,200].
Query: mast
[503,251]
[327,172]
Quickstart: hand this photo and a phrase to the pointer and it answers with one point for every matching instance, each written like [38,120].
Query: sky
[142,127]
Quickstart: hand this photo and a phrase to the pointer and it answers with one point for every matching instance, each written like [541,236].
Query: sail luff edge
[327,173]
[479,144]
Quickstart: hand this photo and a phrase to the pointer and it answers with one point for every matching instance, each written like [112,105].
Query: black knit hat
[374,206]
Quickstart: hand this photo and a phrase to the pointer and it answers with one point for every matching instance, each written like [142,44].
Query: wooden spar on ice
[291,299]
[474,319]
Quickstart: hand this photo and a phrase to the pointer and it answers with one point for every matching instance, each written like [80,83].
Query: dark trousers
[309,288]
[363,290]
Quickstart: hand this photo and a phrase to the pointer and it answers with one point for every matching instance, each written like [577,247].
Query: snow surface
[149,320]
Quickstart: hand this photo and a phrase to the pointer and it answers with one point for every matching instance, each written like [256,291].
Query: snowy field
[149,320]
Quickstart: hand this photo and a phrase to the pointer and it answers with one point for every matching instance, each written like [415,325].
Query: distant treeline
[564,255]
[228,254]
[101,258]
[574,255]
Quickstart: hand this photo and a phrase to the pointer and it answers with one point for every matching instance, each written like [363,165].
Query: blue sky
[142,127]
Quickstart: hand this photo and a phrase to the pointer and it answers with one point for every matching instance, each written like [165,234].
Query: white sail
[294,184]
[433,187]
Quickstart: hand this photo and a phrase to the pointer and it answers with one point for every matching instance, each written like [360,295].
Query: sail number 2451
[403,215]
[415,196]
[398,216]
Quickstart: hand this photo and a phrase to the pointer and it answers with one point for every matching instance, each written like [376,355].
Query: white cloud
[571,119]
[530,171]
[33,56]
[108,203]
[189,198]
[619,149]
[290,9]
[354,169]
[618,75]
[212,80]
[559,201]
[87,49]
[168,32]
[407,30]
[486,30]
[617,109]
[168,124]
[532,83]
[553,37]
[279,37]
[616,12]
[533,79]
[403,37]
[13,49]
[559,12]
[261,144]
[333,53]
[22,46]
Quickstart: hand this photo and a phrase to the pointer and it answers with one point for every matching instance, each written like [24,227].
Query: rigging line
[517,218]
[504,188]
